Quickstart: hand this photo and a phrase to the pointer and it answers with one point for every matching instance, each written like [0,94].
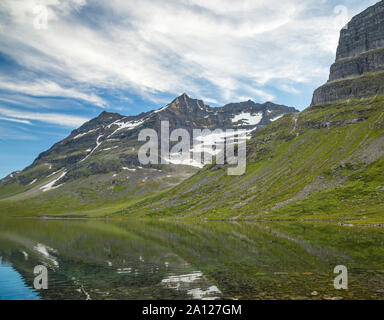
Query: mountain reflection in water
[95,259]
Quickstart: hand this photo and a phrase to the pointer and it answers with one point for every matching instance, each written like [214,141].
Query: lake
[133,259]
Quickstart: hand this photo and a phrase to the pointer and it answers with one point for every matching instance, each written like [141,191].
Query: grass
[321,160]
[324,163]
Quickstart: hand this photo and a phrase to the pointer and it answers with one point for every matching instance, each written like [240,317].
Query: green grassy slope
[94,196]
[325,162]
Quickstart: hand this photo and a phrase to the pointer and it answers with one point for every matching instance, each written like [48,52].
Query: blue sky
[62,62]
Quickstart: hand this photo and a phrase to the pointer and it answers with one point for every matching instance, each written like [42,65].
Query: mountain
[326,162]
[359,68]
[98,162]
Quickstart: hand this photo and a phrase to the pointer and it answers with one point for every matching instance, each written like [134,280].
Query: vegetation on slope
[325,162]
[95,196]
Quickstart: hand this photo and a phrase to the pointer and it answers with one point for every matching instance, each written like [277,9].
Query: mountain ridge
[109,143]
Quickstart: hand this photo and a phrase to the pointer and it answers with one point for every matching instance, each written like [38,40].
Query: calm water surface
[171,260]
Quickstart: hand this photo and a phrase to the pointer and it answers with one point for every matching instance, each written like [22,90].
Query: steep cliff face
[359,55]
[371,61]
[364,86]
[363,33]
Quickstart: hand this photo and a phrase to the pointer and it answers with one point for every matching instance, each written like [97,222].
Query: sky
[63,62]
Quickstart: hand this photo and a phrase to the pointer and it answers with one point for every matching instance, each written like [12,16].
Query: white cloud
[53,118]
[49,89]
[288,88]
[15,120]
[218,48]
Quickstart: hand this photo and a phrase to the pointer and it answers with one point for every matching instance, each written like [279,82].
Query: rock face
[360,53]
[364,86]
[371,61]
[363,33]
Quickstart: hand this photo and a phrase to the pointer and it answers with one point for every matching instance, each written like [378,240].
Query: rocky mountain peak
[107,117]
[360,54]
[184,103]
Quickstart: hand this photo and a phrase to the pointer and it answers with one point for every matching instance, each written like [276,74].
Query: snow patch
[199,106]
[201,294]
[106,149]
[186,278]
[129,169]
[32,182]
[50,186]
[277,118]
[125,125]
[83,134]
[205,144]
[250,119]
[177,158]
[163,108]
[52,174]
[124,270]
[25,255]
[98,143]
[44,250]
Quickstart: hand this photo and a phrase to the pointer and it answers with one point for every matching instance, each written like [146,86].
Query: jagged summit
[106,114]
[358,69]
[187,104]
